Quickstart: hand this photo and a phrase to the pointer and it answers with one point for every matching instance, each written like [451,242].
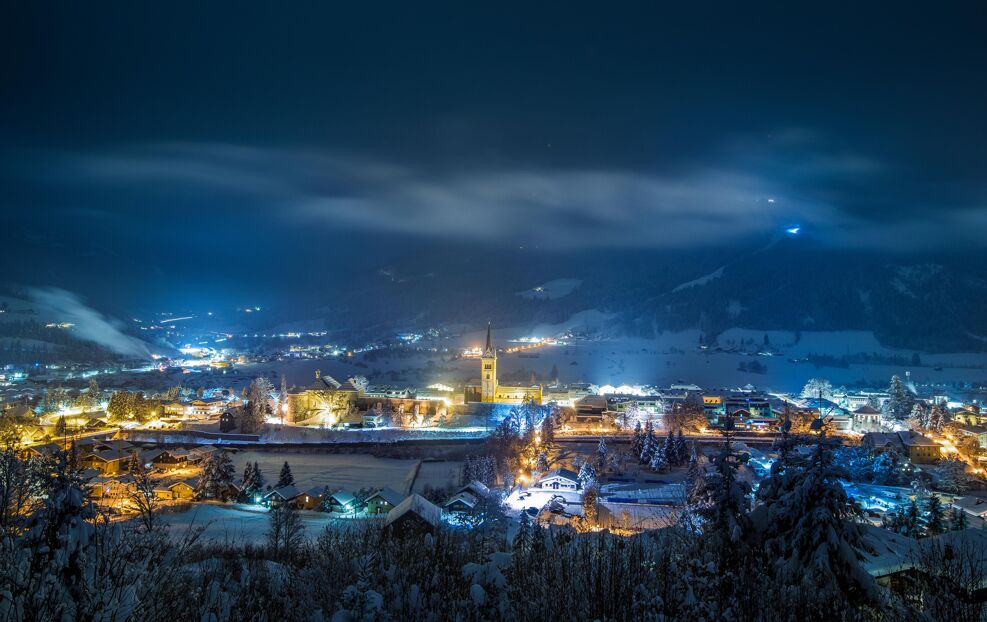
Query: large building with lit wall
[490,391]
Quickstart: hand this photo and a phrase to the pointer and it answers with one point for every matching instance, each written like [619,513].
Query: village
[249,466]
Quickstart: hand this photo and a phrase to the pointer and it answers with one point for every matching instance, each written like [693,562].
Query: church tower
[488,371]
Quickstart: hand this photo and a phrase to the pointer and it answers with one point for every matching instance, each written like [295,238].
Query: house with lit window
[175,491]
[461,502]
[282,495]
[171,459]
[311,499]
[107,462]
[978,432]
[866,419]
[341,502]
[383,501]
[918,448]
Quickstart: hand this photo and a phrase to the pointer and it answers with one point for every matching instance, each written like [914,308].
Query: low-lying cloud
[90,325]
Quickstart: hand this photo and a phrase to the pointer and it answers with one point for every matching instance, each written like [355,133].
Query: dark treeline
[787,557]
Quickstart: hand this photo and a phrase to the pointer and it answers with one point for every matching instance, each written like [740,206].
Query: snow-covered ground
[552,290]
[703,280]
[671,357]
[521,499]
[350,472]
[237,523]
[604,357]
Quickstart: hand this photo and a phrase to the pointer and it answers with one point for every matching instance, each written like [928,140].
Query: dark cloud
[743,190]
[217,151]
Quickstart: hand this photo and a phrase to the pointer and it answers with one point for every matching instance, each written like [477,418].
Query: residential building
[866,418]
[383,501]
[591,413]
[918,448]
[341,502]
[278,496]
[974,506]
[560,479]
[311,499]
[415,515]
[976,431]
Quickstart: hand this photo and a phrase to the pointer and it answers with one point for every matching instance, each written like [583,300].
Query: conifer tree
[258,477]
[541,465]
[659,460]
[668,450]
[60,427]
[899,403]
[957,520]
[590,505]
[587,475]
[911,525]
[285,478]
[806,522]
[217,475]
[637,440]
[935,516]
[681,448]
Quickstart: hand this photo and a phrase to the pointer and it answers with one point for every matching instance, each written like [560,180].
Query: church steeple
[488,371]
[489,349]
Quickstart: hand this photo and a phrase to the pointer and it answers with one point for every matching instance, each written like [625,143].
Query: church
[490,391]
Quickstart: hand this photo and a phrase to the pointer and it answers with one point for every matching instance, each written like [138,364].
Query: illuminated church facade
[490,391]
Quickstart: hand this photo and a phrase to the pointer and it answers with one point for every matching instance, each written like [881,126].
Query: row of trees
[57,398]
[931,520]
[132,406]
[659,455]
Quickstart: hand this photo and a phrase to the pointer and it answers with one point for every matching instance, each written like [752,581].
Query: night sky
[154,152]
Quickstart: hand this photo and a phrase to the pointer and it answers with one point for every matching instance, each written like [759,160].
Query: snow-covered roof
[110,455]
[973,430]
[285,492]
[477,488]
[148,455]
[466,498]
[46,449]
[972,505]
[563,473]
[389,495]
[419,505]
[888,553]
[343,498]
[909,438]
[892,552]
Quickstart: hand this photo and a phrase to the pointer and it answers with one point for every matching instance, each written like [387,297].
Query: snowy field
[523,498]
[350,472]
[606,359]
[671,358]
[237,524]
